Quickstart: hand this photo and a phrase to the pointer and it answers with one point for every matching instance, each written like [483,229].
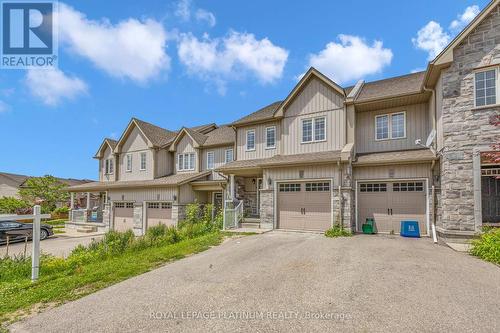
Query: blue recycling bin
[410,229]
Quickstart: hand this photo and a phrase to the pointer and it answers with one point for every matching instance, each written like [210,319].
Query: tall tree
[46,190]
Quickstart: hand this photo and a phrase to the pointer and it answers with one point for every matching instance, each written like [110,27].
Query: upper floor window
[109,166]
[210,160]
[390,126]
[228,155]
[143,161]
[314,130]
[185,162]
[486,87]
[251,140]
[129,163]
[271,137]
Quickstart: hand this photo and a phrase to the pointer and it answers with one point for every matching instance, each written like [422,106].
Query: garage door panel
[123,218]
[289,207]
[159,213]
[318,211]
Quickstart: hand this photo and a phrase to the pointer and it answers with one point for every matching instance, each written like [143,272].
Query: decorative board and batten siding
[327,171]
[439,113]
[135,144]
[409,171]
[260,142]
[219,159]
[315,100]
[188,196]
[164,164]
[184,146]
[107,154]
[418,126]
[140,195]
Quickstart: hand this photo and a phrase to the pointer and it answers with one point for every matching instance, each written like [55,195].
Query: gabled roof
[391,87]
[204,128]
[311,73]
[266,113]
[394,157]
[12,179]
[197,137]
[223,135]
[107,142]
[155,135]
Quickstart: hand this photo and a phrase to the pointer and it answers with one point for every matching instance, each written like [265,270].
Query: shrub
[337,231]
[487,246]
[9,205]
[60,213]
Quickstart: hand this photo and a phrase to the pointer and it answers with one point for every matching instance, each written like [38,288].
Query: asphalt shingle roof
[406,84]
[157,135]
[265,113]
[220,136]
[396,156]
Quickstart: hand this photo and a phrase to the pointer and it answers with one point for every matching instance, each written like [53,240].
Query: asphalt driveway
[294,282]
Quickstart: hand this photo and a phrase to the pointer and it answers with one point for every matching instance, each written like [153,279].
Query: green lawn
[64,282]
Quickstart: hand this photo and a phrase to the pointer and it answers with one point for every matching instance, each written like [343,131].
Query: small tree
[46,190]
[9,205]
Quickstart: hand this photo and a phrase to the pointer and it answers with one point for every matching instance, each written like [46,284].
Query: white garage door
[159,213]
[123,216]
[389,203]
[304,206]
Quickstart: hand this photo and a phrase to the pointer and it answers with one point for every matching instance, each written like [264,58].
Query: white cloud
[130,49]
[351,59]
[432,39]
[183,10]
[205,15]
[4,107]
[232,57]
[51,86]
[465,18]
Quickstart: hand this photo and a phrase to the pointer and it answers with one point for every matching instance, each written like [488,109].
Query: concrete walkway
[296,282]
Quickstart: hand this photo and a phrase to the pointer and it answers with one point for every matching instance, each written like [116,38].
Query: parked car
[17,231]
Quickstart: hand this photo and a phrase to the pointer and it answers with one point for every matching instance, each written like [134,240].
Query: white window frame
[141,160]
[186,161]
[210,153]
[254,140]
[128,158]
[267,143]
[497,86]
[313,130]
[232,155]
[109,166]
[389,125]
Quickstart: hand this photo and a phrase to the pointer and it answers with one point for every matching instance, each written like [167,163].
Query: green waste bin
[368,227]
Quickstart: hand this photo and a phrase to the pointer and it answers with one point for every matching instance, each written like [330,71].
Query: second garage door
[389,203]
[159,213]
[304,206]
[123,216]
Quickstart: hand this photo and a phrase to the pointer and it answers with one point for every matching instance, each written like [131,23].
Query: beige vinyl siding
[417,127]
[164,163]
[327,171]
[103,177]
[260,142]
[135,144]
[315,100]
[439,113]
[187,195]
[392,171]
[219,159]
[185,145]
[140,195]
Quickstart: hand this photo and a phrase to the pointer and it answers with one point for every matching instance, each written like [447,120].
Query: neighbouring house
[404,148]
[10,184]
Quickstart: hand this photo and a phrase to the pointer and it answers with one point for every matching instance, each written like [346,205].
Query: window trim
[145,161]
[225,155]
[211,152]
[254,139]
[497,86]
[313,129]
[127,156]
[109,166]
[184,155]
[389,125]
[267,145]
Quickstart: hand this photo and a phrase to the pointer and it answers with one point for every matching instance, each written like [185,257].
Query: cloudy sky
[188,62]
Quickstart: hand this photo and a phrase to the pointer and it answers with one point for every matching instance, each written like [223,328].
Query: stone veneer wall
[178,213]
[267,208]
[465,127]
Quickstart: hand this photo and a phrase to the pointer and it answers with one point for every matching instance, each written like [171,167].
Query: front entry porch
[92,213]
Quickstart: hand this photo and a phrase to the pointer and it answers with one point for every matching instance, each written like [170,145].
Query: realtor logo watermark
[29,38]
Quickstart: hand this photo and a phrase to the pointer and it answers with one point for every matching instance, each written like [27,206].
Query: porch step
[250,222]
[86,229]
